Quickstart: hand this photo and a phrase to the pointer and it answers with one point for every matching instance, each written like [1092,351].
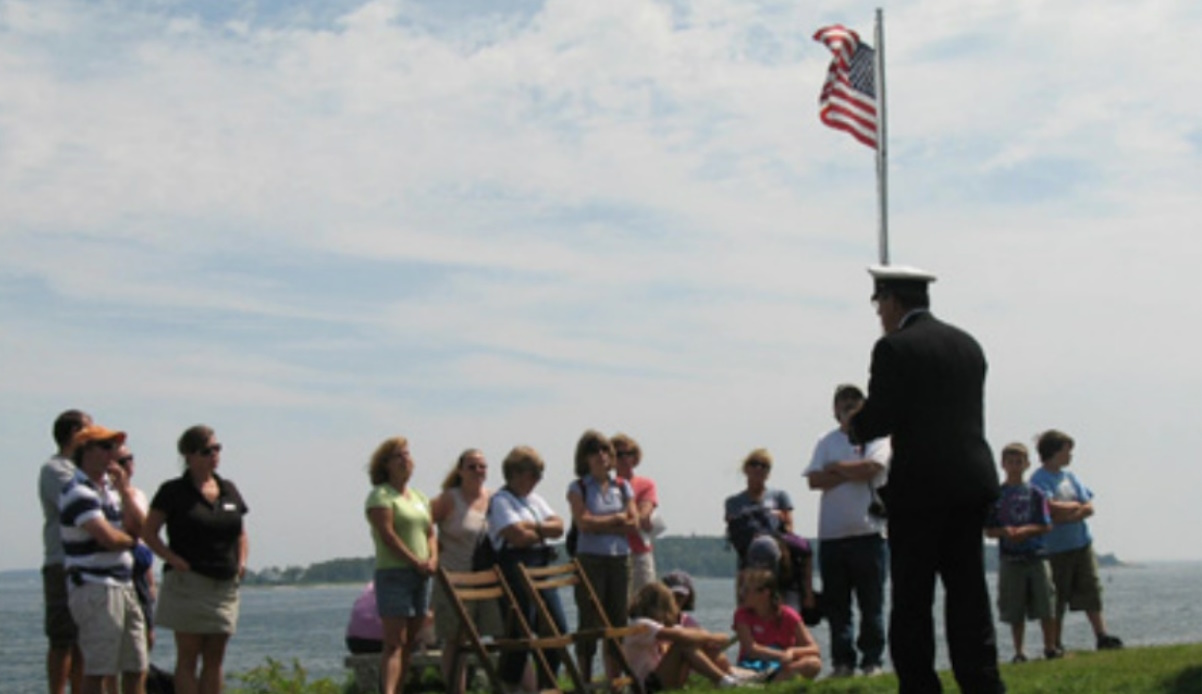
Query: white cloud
[496,227]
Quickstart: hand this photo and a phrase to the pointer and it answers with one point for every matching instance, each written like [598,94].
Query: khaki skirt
[193,604]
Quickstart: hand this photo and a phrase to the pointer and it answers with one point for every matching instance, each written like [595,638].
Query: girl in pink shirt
[772,636]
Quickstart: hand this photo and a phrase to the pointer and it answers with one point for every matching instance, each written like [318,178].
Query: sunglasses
[758,464]
[626,454]
[125,460]
[210,450]
[109,445]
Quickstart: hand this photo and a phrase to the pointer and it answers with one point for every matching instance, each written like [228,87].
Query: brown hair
[591,441]
[1050,442]
[654,601]
[67,424]
[758,579]
[454,478]
[377,468]
[194,438]
[1016,449]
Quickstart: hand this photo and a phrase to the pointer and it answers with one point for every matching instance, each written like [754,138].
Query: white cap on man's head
[888,279]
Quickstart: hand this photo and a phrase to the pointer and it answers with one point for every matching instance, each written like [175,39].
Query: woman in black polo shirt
[205,557]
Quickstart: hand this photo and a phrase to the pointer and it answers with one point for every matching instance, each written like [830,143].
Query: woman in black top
[205,557]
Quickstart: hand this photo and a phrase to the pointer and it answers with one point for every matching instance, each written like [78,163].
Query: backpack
[749,524]
[573,537]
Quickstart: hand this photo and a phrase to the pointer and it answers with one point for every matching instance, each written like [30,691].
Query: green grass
[1148,670]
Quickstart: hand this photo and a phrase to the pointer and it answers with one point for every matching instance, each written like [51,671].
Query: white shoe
[873,671]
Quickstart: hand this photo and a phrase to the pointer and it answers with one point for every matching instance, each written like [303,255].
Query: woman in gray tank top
[459,513]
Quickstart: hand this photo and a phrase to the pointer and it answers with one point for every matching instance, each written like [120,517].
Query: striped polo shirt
[86,559]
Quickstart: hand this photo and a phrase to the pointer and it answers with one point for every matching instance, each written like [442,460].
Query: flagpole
[882,154]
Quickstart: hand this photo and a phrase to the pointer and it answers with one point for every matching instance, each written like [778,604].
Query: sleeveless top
[459,532]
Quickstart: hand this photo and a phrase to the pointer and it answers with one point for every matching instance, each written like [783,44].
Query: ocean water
[1157,603]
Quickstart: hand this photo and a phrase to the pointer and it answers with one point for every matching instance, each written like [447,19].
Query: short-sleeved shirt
[644,492]
[411,522]
[1019,505]
[773,500]
[207,535]
[55,473]
[81,502]
[602,502]
[505,508]
[643,651]
[775,632]
[843,510]
[1063,486]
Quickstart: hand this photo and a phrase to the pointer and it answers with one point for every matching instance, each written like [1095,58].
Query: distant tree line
[700,555]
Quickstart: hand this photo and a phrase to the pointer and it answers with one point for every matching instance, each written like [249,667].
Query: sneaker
[1018,658]
[1053,653]
[873,670]
[1106,642]
[753,680]
[842,671]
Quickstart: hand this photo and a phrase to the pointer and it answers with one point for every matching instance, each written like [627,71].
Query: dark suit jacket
[927,390]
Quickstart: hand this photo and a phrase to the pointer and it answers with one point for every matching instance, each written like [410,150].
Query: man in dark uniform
[926,390]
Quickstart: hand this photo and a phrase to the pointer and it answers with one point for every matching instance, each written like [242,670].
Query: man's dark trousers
[947,541]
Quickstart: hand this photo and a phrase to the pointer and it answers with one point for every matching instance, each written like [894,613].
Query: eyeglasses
[125,460]
[210,450]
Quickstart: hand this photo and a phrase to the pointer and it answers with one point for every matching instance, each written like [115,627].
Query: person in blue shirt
[1070,545]
[1019,520]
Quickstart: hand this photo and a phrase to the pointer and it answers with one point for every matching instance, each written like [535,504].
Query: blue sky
[316,225]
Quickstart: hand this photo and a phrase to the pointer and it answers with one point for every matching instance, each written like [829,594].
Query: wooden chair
[475,586]
[610,637]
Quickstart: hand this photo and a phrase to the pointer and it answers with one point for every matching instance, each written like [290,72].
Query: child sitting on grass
[772,637]
[664,653]
[681,585]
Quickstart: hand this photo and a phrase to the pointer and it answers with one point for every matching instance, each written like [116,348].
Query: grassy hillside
[1148,670]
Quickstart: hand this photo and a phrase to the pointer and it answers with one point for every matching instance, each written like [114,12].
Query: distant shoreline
[703,556]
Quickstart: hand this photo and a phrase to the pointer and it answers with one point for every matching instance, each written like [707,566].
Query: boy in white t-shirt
[851,545]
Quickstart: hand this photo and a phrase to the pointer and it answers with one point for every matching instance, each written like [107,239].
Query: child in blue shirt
[1069,545]
[1018,521]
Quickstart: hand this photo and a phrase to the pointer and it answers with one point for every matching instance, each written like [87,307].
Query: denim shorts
[402,593]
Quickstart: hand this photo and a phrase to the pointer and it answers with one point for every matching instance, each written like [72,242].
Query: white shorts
[112,629]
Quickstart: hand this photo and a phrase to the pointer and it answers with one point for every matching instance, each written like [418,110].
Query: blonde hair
[519,460]
[454,478]
[759,455]
[654,601]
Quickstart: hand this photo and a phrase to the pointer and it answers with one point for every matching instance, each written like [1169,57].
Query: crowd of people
[100,537]
[907,487]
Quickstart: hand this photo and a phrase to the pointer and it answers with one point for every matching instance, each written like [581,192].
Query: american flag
[848,99]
